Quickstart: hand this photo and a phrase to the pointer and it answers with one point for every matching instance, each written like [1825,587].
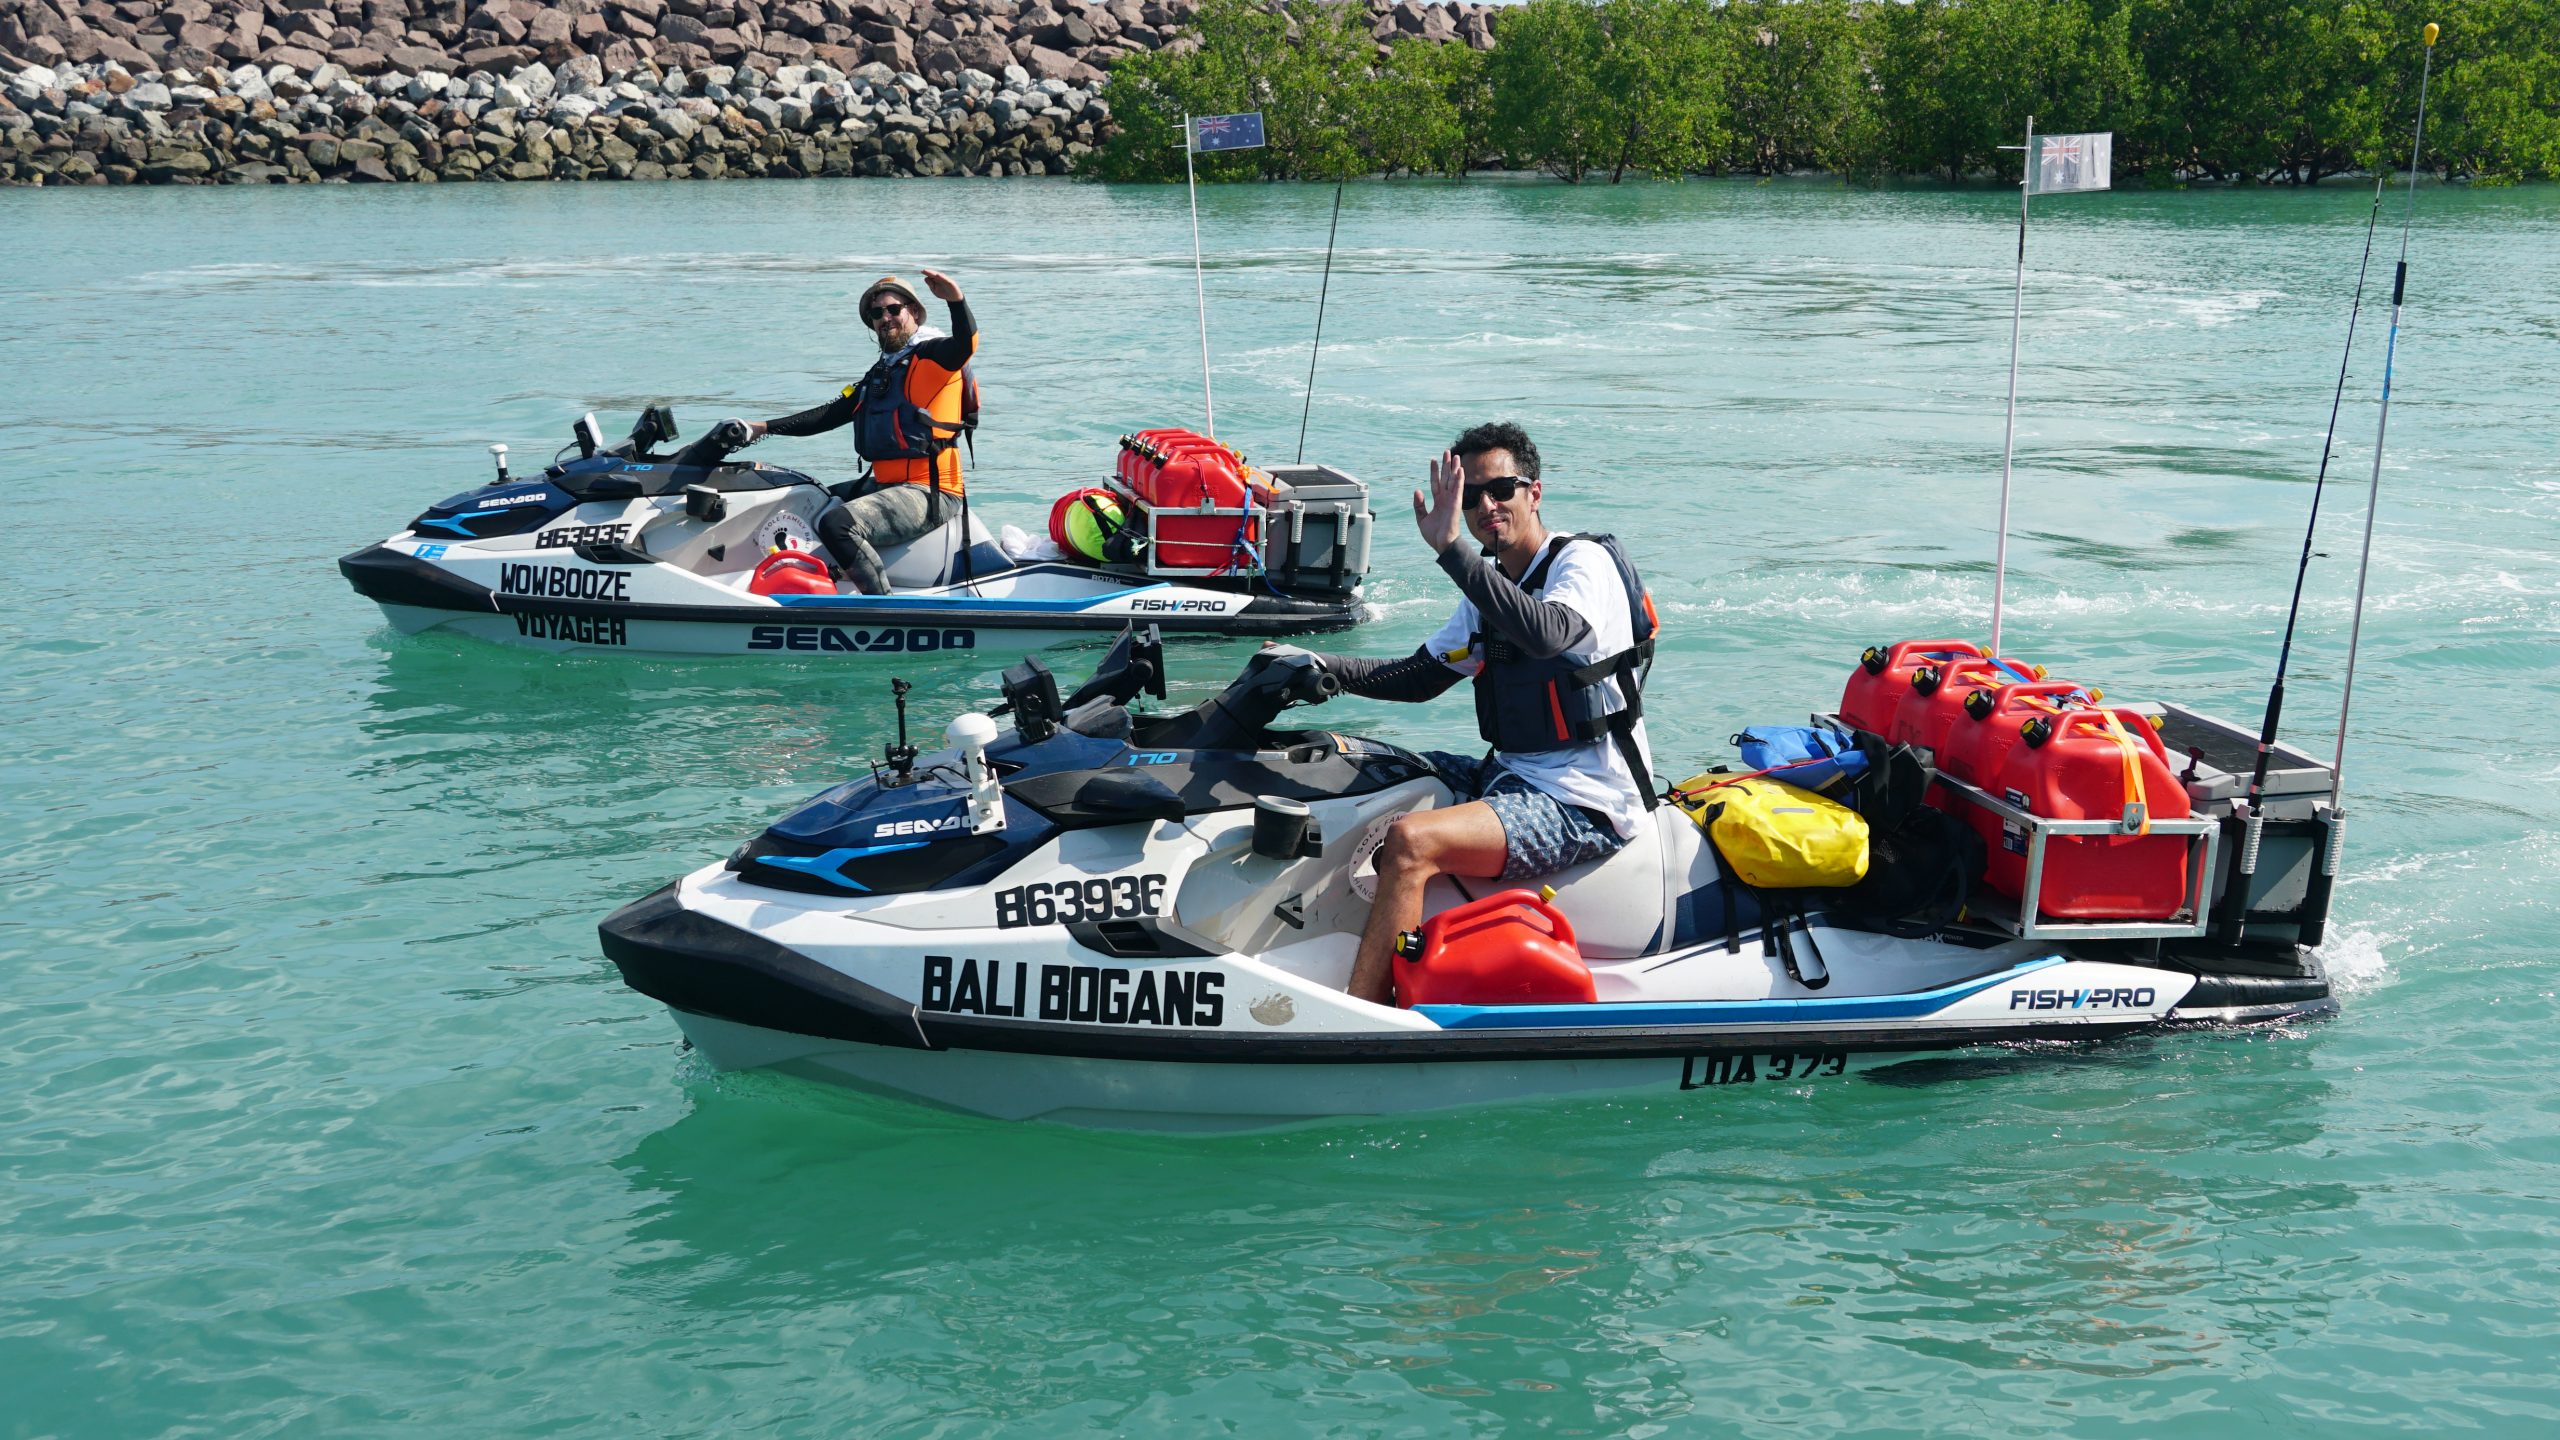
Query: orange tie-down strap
[2134,793]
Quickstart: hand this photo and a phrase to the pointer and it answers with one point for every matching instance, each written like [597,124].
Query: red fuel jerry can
[1883,676]
[1976,745]
[2093,765]
[1509,948]
[791,572]
[1173,471]
[1936,696]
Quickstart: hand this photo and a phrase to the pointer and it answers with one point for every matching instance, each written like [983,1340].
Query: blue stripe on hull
[1848,1009]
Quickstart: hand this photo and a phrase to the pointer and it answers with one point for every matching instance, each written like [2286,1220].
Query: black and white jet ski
[621,547]
[1148,922]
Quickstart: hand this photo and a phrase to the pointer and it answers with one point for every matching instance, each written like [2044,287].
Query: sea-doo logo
[1205,607]
[2124,998]
[836,638]
[1078,994]
[500,501]
[563,537]
[561,582]
[916,827]
[577,629]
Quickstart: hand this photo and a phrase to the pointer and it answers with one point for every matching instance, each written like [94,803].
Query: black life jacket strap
[1625,736]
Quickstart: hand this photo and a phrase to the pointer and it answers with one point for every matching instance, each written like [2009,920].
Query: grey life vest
[1527,705]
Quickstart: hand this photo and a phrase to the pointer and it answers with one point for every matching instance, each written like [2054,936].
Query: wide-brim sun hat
[904,292]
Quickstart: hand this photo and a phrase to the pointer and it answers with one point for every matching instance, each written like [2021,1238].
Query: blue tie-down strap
[1809,757]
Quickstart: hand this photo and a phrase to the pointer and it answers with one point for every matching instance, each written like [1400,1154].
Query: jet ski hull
[746,1002]
[559,602]
[1152,921]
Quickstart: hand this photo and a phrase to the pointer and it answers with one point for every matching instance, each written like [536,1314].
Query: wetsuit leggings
[856,531]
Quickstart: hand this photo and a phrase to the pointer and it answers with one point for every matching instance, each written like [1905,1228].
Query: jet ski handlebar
[1238,717]
[717,443]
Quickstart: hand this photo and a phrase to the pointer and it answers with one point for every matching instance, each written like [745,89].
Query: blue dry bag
[1810,757]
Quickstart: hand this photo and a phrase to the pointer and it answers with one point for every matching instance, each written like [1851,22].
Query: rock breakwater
[276,91]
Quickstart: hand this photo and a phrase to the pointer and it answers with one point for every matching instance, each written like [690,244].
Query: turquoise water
[323,1116]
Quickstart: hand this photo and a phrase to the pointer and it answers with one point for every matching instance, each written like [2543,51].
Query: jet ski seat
[940,557]
[1617,904]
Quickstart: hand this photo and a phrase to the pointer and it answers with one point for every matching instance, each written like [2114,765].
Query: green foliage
[1548,109]
[1427,110]
[1663,76]
[2495,112]
[1330,108]
[2235,91]
[1281,60]
[1797,90]
[1959,80]
[1616,85]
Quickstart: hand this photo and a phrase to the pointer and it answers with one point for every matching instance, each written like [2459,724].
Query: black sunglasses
[878,313]
[1499,489]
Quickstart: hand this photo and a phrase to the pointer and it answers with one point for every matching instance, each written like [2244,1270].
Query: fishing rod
[1321,291]
[2334,813]
[2245,857]
[2382,428]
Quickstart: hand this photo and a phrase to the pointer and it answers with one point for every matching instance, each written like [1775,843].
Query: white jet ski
[1148,922]
[622,548]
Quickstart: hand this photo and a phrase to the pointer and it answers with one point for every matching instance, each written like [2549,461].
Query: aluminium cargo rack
[2202,836]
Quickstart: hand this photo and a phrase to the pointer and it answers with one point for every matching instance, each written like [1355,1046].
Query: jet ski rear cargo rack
[1315,532]
[2286,889]
[2021,917]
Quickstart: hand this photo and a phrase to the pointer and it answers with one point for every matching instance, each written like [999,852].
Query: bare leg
[1461,840]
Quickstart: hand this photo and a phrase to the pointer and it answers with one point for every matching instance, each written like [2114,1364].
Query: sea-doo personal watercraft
[621,547]
[1148,922]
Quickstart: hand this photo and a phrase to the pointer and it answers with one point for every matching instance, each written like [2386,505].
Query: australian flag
[2065,163]
[1226,132]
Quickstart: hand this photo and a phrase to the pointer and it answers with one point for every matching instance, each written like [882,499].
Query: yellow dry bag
[1775,836]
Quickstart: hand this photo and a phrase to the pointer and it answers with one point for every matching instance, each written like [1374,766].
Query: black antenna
[1323,290]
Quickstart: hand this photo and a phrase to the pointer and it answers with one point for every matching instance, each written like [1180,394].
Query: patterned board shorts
[1540,834]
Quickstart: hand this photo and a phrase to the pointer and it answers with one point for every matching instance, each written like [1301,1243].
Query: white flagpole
[1208,403]
[2009,434]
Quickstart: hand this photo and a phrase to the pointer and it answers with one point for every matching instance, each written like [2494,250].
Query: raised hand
[942,286]
[1444,517]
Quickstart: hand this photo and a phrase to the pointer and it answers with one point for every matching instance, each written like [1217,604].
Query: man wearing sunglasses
[910,411]
[1556,631]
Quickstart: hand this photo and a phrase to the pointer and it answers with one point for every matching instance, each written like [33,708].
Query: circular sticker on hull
[784,529]
[1364,857]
